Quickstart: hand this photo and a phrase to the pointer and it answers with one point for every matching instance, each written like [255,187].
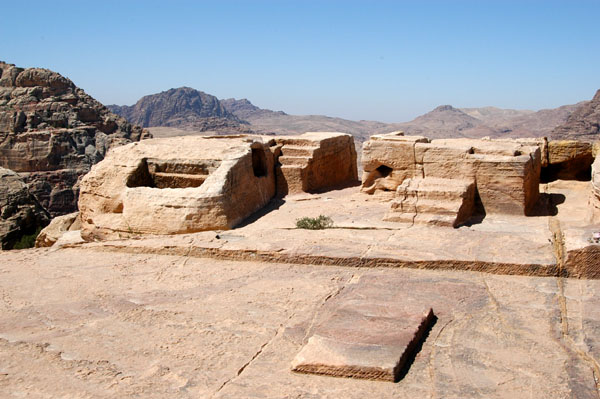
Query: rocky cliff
[583,123]
[20,212]
[183,107]
[52,132]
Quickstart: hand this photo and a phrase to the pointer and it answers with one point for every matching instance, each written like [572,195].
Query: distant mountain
[445,121]
[247,111]
[183,107]
[583,122]
[185,111]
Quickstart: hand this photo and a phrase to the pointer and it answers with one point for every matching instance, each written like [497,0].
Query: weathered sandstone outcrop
[315,161]
[57,228]
[51,132]
[20,213]
[177,185]
[196,183]
[505,174]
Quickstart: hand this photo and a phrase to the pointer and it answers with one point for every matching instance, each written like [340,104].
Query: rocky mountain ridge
[182,107]
[444,121]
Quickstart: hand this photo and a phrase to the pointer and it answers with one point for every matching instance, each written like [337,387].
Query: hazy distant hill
[183,107]
[185,111]
[247,111]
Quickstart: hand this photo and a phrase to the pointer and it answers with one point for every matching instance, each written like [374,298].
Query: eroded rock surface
[52,132]
[178,185]
[20,212]
[87,323]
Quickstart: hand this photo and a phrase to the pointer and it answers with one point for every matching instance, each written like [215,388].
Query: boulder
[20,212]
[52,132]
[57,228]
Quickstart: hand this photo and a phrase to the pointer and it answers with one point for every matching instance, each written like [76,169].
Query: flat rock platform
[552,243]
[86,323]
[230,314]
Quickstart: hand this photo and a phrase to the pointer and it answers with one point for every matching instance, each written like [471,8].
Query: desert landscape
[377,227]
[453,267]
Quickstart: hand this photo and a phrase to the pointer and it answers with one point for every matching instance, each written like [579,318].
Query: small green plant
[27,240]
[319,223]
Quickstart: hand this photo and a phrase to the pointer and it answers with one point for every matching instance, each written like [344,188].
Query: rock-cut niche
[259,162]
[172,173]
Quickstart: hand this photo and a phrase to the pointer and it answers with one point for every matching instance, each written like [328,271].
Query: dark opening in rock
[141,176]
[259,162]
[579,168]
[384,170]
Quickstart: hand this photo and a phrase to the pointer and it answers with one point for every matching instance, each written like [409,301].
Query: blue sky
[377,60]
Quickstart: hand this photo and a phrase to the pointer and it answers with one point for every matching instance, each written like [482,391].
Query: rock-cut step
[298,150]
[434,201]
[295,160]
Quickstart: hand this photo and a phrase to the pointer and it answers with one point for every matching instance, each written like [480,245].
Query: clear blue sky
[378,60]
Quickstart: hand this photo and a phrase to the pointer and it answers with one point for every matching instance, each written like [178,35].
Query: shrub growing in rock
[318,223]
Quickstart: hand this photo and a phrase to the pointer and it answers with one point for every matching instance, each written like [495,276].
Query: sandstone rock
[595,190]
[373,328]
[435,201]
[315,161]
[57,228]
[20,212]
[51,132]
[506,172]
[177,185]
[389,159]
[195,183]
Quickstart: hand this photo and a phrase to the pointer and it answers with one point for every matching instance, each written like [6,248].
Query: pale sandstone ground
[81,323]
[113,319]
